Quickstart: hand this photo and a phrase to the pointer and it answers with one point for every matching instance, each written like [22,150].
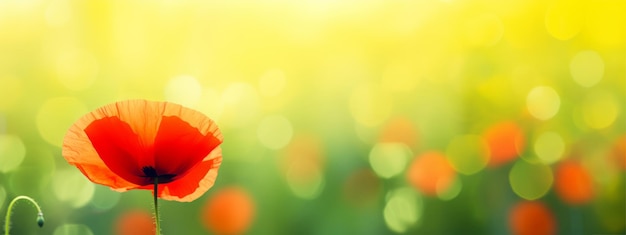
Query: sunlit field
[338,117]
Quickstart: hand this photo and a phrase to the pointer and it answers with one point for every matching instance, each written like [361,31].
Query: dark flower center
[150,172]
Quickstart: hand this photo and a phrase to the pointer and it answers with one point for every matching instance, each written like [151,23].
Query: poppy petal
[179,146]
[79,152]
[195,183]
[118,148]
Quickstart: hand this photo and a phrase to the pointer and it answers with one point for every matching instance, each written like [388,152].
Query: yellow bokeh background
[270,71]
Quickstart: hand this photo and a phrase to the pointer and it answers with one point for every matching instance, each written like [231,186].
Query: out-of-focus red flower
[573,183]
[128,144]
[228,211]
[505,141]
[430,173]
[531,218]
[135,222]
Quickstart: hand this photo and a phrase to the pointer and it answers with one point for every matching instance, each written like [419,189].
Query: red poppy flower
[130,144]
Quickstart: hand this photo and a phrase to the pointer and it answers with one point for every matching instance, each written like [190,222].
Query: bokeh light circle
[104,198]
[543,102]
[549,147]
[134,222]
[530,181]
[303,166]
[184,90]
[228,211]
[403,209]
[600,109]
[505,140]
[431,173]
[449,192]
[573,183]
[275,132]
[306,181]
[467,154]
[531,218]
[55,117]
[389,159]
[70,186]
[12,152]
[587,68]
[399,129]
[72,229]
[564,20]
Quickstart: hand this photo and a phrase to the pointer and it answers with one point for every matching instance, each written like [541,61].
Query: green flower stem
[7,219]
[156,207]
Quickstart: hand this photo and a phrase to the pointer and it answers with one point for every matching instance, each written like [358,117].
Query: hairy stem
[157,221]
[7,219]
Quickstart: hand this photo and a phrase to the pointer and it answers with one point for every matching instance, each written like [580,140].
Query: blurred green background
[339,117]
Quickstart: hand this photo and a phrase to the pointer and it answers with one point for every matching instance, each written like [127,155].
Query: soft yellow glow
[209,102]
[484,30]
[56,115]
[404,209]
[549,147]
[11,90]
[467,154]
[401,76]
[587,68]
[565,19]
[274,132]
[543,102]
[389,159]
[305,181]
[58,13]
[72,229]
[239,105]
[76,69]
[272,83]
[604,24]
[71,187]
[600,109]
[12,151]
[370,105]
[184,90]
[530,181]
[449,192]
